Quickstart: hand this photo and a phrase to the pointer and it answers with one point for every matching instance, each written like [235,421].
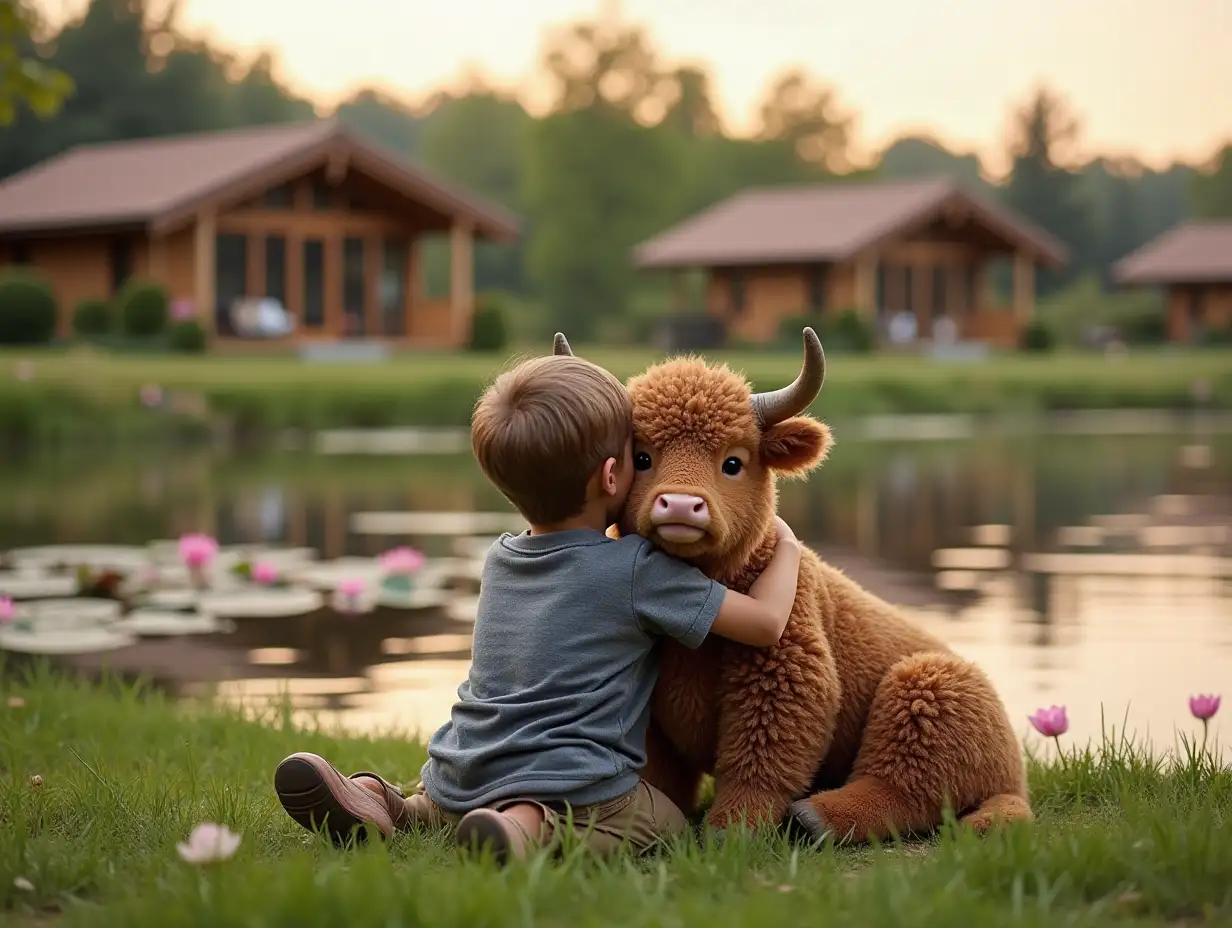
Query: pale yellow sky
[1149,77]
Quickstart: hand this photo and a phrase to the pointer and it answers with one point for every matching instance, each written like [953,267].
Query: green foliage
[143,309]
[847,331]
[186,337]
[93,317]
[1084,307]
[488,330]
[1037,337]
[27,308]
[24,79]
[1212,188]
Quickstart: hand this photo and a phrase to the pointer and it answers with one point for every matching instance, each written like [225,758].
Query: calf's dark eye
[732,466]
[641,461]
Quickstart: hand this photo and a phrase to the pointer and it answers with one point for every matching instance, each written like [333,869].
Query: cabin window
[230,277]
[276,268]
[322,196]
[879,299]
[908,301]
[736,282]
[817,289]
[280,197]
[314,282]
[940,272]
[353,289]
[394,255]
[971,287]
[120,262]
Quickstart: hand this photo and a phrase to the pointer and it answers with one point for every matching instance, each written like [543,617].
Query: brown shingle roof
[1191,253]
[158,181]
[831,222]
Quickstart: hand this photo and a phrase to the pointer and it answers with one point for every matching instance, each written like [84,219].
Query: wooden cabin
[1193,263]
[924,247]
[307,214]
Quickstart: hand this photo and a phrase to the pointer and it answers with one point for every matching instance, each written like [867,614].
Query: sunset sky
[1149,77]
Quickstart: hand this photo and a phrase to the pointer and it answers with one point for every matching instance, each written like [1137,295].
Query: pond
[1092,570]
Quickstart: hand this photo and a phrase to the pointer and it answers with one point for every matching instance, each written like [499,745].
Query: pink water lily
[197,550]
[402,561]
[351,597]
[264,573]
[8,612]
[209,843]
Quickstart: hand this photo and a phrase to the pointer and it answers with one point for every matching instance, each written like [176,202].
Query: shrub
[1037,337]
[187,337]
[27,308]
[92,317]
[788,336]
[488,329]
[848,332]
[143,310]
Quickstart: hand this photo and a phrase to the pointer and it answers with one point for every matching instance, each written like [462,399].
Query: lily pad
[463,609]
[120,558]
[31,584]
[326,575]
[64,640]
[261,603]
[413,599]
[162,623]
[73,613]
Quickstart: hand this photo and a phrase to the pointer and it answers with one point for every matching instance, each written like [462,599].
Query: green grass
[1120,838]
[84,393]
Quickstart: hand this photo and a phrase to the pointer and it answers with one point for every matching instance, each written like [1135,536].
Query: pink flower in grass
[402,561]
[1204,707]
[183,310]
[24,370]
[264,573]
[209,843]
[197,550]
[1051,722]
[151,395]
[8,612]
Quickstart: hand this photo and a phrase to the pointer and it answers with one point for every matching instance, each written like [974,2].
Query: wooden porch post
[1024,288]
[374,317]
[412,286]
[866,284]
[334,323]
[254,278]
[203,266]
[461,279]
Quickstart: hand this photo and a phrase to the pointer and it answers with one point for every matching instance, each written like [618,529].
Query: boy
[552,718]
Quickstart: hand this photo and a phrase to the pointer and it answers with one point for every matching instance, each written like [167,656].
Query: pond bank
[56,398]
[125,774]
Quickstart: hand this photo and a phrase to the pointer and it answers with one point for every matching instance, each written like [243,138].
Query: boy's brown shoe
[504,836]
[317,796]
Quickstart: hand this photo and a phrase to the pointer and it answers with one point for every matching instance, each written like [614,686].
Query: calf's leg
[937,737]
[777,712]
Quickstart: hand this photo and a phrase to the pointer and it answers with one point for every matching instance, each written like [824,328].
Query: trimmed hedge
[187,337]
[92,318]
[27,308]
[143,309]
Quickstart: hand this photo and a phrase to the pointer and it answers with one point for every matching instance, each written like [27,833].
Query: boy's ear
[795,446]
[613,531]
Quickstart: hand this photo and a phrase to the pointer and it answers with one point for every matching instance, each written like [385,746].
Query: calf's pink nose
[680,509]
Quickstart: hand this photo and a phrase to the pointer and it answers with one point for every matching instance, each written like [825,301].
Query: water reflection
[1093,571]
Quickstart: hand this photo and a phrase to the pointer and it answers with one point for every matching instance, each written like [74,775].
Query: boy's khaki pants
[639,819]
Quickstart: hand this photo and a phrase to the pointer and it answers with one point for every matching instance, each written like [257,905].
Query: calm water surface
[1094,571]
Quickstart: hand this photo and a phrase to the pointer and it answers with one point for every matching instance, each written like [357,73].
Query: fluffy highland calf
[856,723]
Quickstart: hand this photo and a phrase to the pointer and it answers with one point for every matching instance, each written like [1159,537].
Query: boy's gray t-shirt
[563,666]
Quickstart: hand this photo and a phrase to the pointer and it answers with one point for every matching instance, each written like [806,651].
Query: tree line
[630,144]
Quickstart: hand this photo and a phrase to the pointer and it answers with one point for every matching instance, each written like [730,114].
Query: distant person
[552,718]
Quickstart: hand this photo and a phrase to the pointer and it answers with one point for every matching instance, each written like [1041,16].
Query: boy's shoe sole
[483,830]
[317,796]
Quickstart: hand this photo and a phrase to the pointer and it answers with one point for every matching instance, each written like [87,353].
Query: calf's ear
[795,446]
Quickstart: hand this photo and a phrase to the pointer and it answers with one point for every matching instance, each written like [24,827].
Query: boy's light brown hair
[542,430]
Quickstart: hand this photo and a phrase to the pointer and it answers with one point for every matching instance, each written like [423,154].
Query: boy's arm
[758,619]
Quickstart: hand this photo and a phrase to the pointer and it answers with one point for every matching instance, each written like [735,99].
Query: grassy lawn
[79,393]
[1120,839]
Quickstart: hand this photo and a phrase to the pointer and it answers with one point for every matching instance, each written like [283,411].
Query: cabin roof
[161,182]
[1191,253]
[831,222]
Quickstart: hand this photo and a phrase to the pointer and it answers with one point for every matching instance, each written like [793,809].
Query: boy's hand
[784,532]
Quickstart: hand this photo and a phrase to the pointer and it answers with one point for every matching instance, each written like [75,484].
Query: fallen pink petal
[209,843]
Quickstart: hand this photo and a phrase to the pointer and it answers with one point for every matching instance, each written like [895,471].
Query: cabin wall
[1192,308]
[77,268]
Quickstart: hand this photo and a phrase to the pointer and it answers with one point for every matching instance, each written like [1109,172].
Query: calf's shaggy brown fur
[856,723]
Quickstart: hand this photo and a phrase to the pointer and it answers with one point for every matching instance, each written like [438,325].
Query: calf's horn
[793,399]
[560,345]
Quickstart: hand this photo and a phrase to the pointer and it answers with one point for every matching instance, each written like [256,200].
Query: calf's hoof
[805,823]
